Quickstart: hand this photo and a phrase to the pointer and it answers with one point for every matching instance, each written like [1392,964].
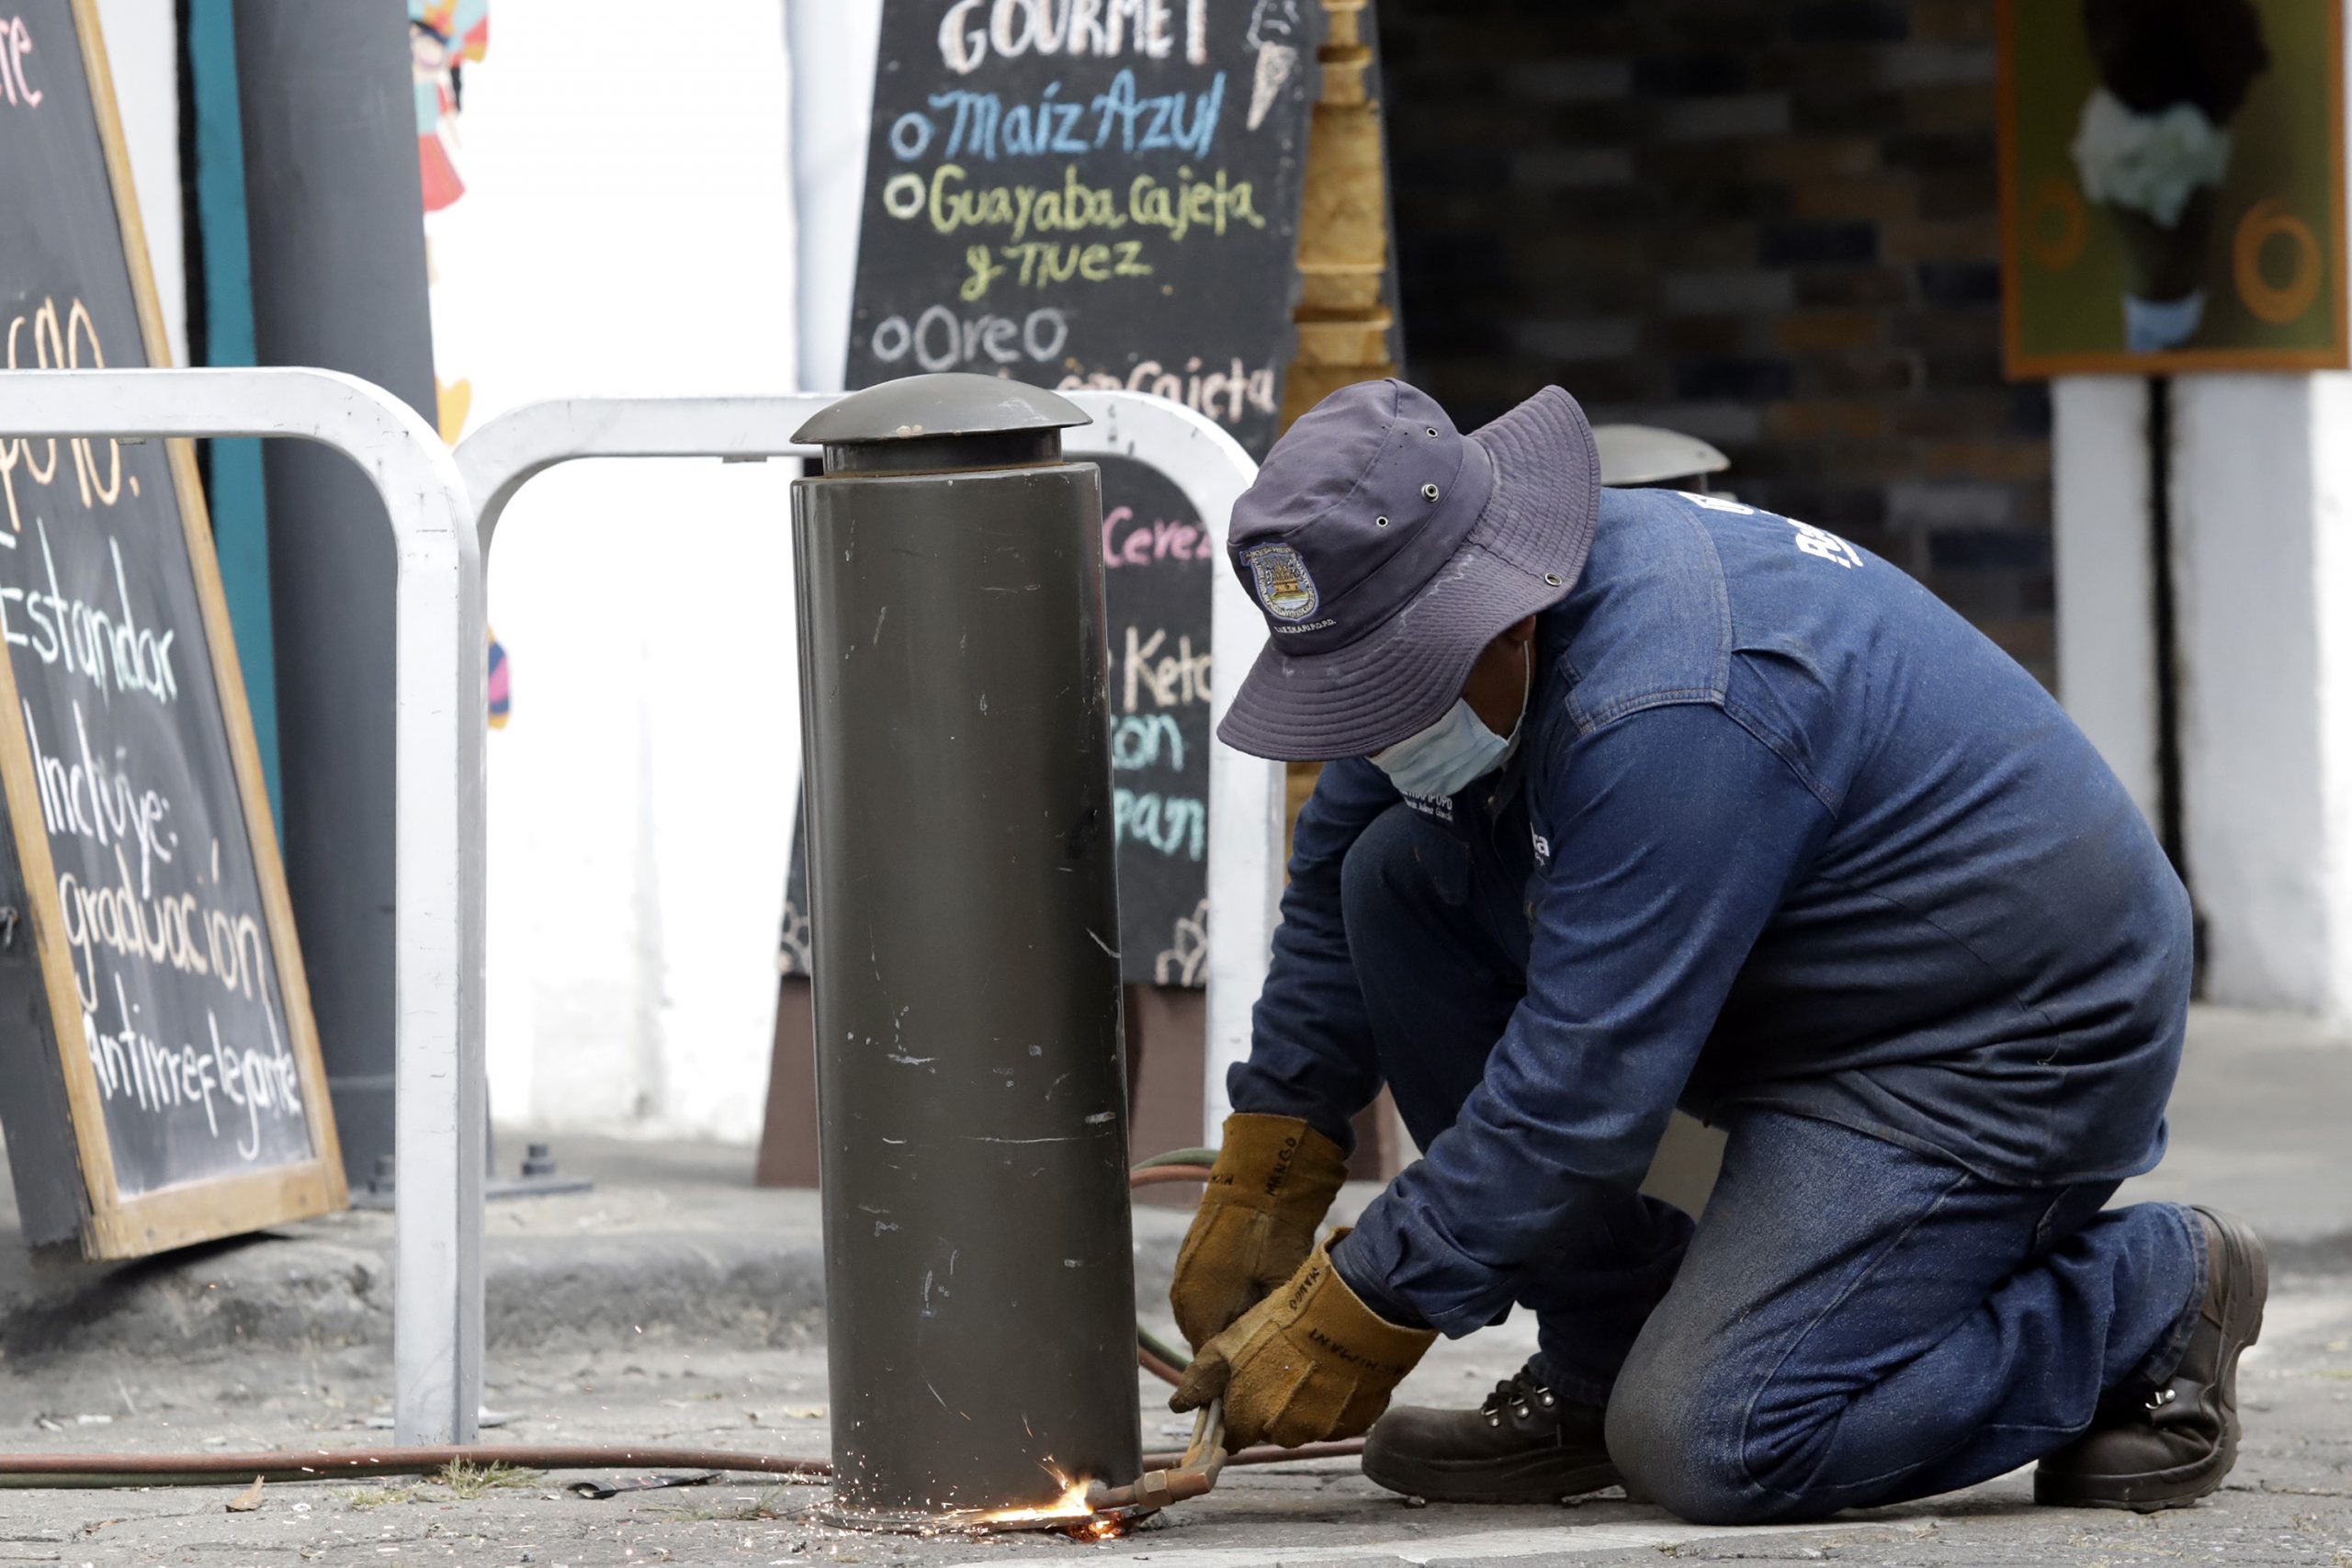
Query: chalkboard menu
[1104,194]
[1158,563]
[165,1085]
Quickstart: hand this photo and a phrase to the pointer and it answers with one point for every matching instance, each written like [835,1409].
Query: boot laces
[1520,1393]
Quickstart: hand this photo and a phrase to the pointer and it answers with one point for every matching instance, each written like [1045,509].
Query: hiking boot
[1523,1445]
[2167,1447]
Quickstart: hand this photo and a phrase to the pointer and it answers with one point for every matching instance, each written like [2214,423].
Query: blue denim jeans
[1855,1321]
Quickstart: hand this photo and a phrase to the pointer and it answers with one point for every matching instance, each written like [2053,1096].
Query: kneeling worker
[1638,798]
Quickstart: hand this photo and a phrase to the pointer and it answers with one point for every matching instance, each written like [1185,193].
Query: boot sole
[1525,1478]
[2149,1494]
[2179,1487]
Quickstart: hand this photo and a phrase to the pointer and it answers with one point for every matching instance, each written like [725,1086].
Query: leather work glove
[1309,1364]
[1273,1178]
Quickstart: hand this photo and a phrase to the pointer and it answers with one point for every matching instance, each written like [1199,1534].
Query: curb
[293,1291]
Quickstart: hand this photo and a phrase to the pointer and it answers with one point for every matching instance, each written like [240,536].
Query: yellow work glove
[1309,1364]
[1274,1177]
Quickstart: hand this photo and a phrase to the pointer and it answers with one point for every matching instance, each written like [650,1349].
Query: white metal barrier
[439,723]
[443,513]
[1246,794]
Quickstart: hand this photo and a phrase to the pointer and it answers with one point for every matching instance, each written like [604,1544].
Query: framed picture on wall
[2172,182]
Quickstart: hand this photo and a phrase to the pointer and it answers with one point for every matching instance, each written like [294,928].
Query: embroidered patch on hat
[1284,586]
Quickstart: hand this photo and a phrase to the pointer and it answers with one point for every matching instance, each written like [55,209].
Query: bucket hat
[1387,550]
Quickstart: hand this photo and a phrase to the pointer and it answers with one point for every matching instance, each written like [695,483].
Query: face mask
[1454,752]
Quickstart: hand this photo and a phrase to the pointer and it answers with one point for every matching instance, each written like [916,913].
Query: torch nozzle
[1193,1478]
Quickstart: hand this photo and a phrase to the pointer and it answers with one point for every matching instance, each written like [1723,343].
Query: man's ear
[1522,630]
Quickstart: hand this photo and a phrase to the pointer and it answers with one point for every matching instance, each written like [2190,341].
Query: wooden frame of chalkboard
[62,1113]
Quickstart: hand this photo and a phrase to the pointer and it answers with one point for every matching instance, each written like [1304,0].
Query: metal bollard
[970,1089]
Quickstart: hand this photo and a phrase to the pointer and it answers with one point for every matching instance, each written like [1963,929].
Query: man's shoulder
[1649,622]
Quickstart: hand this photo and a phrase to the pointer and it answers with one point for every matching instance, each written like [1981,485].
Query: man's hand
[1309,1364]
[1273,1180]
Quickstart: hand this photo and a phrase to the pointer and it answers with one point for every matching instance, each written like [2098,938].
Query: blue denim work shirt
[1798,836]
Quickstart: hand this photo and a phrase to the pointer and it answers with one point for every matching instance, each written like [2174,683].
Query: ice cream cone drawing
[1275,33]
[2152,146]
[1275,63]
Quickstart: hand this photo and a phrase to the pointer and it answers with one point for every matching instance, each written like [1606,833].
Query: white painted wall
[2107,645]
[143,53]
[628,228]
[833,45]
[2262,548]
[2330,435]
[2261,491]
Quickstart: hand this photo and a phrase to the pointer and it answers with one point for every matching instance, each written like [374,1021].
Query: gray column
[979,1271]
[335,214]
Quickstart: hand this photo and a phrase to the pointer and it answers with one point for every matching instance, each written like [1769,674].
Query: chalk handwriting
[971,30]
[1041,263]
[1142,740]
[1232,395]
[1126,541]
[58,347]
[15,43]
[82,797]
[1175,824]
[135,1065]
[1169,679]
[1214,203]
[108,648]
[178,930]
[941,340]
[1157,122]
[96,800]
[980,125]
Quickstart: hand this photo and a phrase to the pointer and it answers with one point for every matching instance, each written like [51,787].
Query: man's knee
[1680,1440]
[1394,874]
[1662,1453]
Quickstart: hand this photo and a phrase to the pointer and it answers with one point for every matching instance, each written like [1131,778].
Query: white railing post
[440,720]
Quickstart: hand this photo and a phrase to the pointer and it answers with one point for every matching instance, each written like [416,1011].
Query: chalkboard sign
[165,1085]
[1105,195]
[1158,563]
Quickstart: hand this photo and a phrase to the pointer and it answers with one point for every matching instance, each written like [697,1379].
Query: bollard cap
[1645,455]
[952,420]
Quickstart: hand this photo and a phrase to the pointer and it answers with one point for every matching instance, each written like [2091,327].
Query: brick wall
[1771,223]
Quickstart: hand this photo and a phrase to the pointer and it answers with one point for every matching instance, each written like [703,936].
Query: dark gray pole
[335,213]
[979,1284]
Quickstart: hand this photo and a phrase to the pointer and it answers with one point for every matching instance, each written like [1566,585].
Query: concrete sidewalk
[2262,1126]
[672,1237]
[677,1304]
[674,1240]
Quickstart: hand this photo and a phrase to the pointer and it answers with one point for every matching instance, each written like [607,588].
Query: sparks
[1070,1507]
